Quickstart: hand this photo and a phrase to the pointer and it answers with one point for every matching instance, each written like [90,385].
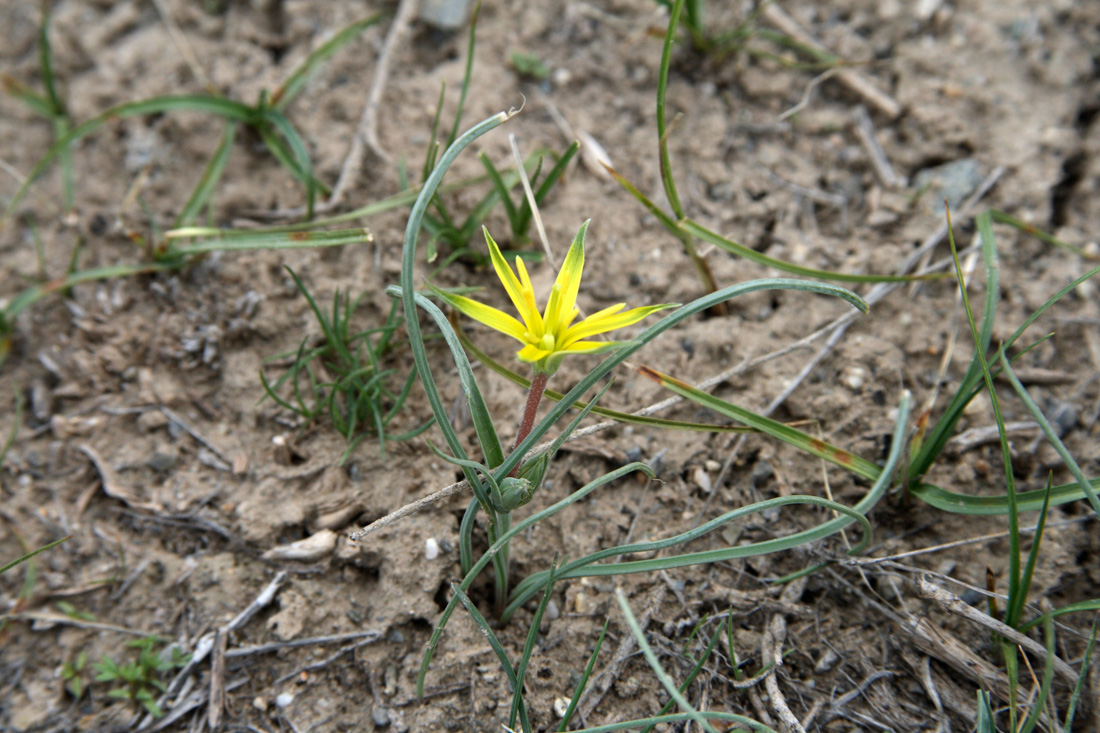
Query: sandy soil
[146,439]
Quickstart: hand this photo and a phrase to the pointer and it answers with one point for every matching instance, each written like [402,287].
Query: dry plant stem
[366,133]
[876,294]
[954,604]
[854,81]
[594,695]
[865,132]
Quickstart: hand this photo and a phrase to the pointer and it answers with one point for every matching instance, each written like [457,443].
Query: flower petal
[511,283]
[592,347]
[567,284]
[486,314]
[535,324]
[531,354]
[599,323]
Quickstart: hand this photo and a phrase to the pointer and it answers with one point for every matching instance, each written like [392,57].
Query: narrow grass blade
[31,554]
[774,428]
[210,177]
[523,219]
[1050,434]
[498,649]
[662,125]
[529,643]
[35,293]
[739,720]
[479,411]
[1016,605]
[222,240]
[582,683]
[471,44]
[686,684]
[1046,237]
[228,109]
[752,255]
[1090,605]
[297,79]
[655,664]
[502,541]
[1082,677]
[1040,701]
[586,566]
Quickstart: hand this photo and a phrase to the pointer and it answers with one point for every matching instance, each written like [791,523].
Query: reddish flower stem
[534,397]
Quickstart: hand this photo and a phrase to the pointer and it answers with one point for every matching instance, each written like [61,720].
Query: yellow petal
[531,353]
[598,323]
[529,298]
[510,282]
[568,282]
[590,347]
[486,314]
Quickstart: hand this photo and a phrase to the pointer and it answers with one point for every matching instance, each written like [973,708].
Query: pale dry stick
[854,81]
[189,703]
[877,293]
[530,195]
[205,643]
[956,543]
[179,40]
[594,694]
[807,95]
[178,420]
[974,437]
[936,642]
[953,603]
[930,689]
[880,164]
[247,651]
[57,618]
[366,132]
[216,704]
[314,666]
[771,650]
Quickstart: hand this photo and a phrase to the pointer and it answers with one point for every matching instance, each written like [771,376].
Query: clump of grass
[344,380]
[139,680]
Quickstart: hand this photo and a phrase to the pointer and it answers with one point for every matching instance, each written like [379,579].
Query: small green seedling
[140,680]
[529,66]
[73,674]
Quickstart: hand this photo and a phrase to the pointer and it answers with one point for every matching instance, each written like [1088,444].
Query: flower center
[546,343]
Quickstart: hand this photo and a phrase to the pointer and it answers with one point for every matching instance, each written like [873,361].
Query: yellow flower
[548,336]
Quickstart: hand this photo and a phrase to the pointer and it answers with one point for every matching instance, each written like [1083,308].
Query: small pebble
[828,661]
[381,717]
[259,703]
[561,706]
[553,613]
[854,377]
[431,548]
[284,700]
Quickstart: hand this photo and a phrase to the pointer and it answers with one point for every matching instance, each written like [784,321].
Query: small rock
[284,700]
[164,458]
[553,613]
[702,479]
[151,420]
[313,547]
[380,717]
[584,604]
[259,703]
[854,377]
[828,661]
[762,473]
[953,181]
[1062,416]
[431,549]
[561,706]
